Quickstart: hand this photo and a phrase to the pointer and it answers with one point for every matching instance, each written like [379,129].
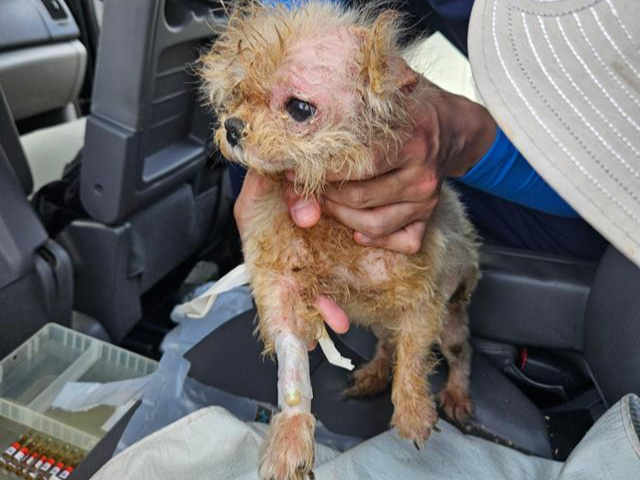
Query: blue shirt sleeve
[504,172]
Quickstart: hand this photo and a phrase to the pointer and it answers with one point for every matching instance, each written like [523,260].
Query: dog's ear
[383,68]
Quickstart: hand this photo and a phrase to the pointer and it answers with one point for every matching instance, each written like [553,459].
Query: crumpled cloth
[212,444]
[191,330]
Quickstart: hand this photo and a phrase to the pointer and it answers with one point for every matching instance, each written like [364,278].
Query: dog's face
[312,89]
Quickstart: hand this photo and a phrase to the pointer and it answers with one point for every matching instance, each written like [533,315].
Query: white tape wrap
[200,306]
[331,352]
[294,380]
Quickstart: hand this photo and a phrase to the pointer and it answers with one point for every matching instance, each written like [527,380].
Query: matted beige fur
[317,89]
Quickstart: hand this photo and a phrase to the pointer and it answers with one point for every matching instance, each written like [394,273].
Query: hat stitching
[546,101]
[615,14]
[550,133]
[586,98]
[556,14]
[613,43]
[593,77]
[608,70]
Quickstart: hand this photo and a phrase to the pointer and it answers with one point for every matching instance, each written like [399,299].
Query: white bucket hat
[562,79]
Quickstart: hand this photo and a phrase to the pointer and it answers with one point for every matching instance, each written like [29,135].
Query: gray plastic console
[29,22]
[115,265]
[145,183]
[42,65]
[502,412]
[147,132]
[29,91]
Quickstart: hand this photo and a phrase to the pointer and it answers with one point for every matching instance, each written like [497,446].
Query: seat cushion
[502,413]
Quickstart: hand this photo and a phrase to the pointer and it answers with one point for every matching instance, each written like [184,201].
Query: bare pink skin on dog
[322,71]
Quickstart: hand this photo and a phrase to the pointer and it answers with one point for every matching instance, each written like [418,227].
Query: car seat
[152,195]
[36,280]
[604,341]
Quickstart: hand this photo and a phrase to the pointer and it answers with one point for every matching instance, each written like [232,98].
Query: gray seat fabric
[10,144]
[514,278]
[502,413]
[612,327]
[36,280]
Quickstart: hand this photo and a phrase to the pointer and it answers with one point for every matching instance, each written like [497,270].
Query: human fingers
[400,185]
[254,187]
[379,221]
[305,213]
[388,158]
[407,240]
[333,316]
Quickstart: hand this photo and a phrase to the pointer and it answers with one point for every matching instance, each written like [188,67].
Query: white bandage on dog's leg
[294,380]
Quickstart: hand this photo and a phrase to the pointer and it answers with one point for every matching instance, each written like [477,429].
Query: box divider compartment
[78,368]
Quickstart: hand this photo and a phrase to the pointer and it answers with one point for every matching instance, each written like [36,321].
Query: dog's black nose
[234,127]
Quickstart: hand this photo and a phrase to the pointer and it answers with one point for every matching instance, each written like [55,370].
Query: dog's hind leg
[455,398]
[374,377]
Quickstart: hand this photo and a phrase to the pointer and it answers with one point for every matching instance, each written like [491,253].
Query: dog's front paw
[414,418]
[289,449]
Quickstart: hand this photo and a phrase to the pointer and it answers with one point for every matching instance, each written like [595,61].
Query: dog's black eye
[300,110]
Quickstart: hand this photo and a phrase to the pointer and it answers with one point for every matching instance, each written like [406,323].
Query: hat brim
[562,79]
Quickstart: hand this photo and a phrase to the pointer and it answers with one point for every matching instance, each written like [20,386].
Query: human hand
[391,208]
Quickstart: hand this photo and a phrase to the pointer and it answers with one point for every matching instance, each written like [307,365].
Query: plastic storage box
[35,373]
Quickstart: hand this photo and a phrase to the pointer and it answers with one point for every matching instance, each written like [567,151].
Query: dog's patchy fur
[348,64]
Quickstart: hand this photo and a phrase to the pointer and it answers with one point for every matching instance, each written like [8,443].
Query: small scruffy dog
[316,88]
